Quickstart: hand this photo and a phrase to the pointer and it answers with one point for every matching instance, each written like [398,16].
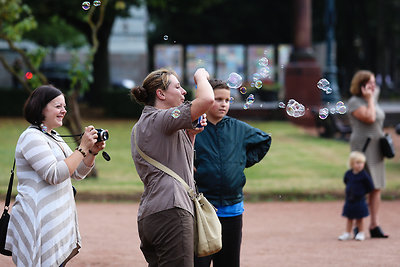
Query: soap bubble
[165,37]
[340,107]
[281,105]
[234,80]
[263,61]
[323,84]
[97,3]
[258,84]
[264,72]
[328,90]
[250,99]
[256,77]
[323,113]
[86,5]
[243,90]
[231,99]
[295,109]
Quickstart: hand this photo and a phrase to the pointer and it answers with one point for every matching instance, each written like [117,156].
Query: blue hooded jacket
[223,151]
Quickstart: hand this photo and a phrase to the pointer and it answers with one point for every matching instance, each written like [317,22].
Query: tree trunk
[101,72]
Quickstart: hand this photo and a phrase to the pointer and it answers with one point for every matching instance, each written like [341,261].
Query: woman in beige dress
[366,119]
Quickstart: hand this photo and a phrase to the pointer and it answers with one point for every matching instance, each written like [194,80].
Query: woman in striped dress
[43,228]
[366,119]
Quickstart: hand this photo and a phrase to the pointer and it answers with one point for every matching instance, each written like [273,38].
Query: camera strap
[105,155]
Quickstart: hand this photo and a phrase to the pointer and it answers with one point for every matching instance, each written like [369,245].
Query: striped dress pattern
[43,228]
[360,132]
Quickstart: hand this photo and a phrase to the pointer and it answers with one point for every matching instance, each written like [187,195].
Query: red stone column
[303,72]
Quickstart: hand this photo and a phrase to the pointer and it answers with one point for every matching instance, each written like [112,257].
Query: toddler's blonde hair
[354,156]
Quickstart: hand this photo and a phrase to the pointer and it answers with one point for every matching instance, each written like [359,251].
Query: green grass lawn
[298,165]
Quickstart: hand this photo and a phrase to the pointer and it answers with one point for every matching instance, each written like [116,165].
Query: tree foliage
[222,21]
[75,17]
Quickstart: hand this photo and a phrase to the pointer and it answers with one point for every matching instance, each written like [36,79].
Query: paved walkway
[274,234]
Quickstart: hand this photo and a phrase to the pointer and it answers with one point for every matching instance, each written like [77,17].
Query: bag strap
[366,144]
[10,184]
[162,167]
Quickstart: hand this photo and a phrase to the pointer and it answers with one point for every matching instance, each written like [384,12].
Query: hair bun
[140,94]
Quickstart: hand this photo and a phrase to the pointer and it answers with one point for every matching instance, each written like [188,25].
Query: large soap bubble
[234,80]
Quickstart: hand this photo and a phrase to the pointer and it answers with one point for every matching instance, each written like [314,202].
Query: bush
[120,105]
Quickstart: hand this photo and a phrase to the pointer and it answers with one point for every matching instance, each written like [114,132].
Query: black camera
[102,135]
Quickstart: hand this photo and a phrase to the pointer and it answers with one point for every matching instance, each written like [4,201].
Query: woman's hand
[203,121]
[367,91]
[201,73]
[192,132]
[89,138]
[97,147]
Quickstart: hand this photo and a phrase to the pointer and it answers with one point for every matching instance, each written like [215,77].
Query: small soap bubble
[258,84]
[290,110]
[256,76]
[263,61]
[323,113]
[97,3]
[340,107]
[176,113]
[231,99]
[246,106]
[300,111]
[86,5]
[243,90]
[323,84]
[281,105]
[264,72]
[165,37]
[333,110]
[234,80]
[250,99]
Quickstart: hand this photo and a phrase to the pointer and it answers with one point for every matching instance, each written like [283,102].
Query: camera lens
[102,135]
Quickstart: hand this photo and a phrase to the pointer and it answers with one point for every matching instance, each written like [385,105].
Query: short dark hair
[218,84]
[37,101]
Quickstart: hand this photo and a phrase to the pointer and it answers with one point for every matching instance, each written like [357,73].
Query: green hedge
[120,105]
[115,104]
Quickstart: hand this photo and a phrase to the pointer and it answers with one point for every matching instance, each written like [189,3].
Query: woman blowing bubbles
[165,132]
[43,228]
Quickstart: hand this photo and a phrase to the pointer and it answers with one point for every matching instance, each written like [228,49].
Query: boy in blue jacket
[223,150]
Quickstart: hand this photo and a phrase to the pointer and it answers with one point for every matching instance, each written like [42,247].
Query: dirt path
[274,234]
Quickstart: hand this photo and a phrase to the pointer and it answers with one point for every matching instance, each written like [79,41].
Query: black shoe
[355,231]
[377,233]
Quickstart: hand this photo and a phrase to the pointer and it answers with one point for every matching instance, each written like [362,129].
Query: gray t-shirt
[161,135]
